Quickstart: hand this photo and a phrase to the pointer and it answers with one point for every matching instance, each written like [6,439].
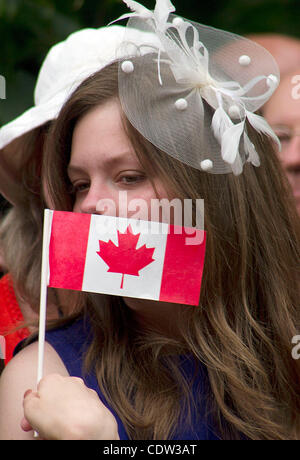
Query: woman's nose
[291,155]
[101,200]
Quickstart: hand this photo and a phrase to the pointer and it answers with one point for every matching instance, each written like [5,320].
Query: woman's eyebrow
[281,126]
[74,169]
[106,161]
[120,157]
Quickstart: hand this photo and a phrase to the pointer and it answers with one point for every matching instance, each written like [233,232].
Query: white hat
[66,65]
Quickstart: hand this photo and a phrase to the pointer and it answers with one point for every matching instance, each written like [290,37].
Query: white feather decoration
[251,151]
[220,123]
[262,126]
[136,7]
[138,11]
[162,11]
[231,141]
[237,166]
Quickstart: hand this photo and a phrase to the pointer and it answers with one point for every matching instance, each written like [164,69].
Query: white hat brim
[34,117]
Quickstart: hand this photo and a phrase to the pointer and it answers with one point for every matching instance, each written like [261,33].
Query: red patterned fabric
[10,317]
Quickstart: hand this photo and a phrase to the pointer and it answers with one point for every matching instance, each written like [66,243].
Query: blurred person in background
[285,49]
[282,112]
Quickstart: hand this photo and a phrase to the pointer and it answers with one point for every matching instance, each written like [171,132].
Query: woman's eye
[131,179]
[80,187]
[283,137]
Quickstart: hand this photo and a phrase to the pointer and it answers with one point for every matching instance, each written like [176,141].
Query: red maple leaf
[125,258]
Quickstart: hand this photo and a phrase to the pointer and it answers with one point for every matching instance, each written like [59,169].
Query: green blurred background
[28,28]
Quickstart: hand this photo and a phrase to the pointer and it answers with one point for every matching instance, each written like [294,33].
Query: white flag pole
[43,295]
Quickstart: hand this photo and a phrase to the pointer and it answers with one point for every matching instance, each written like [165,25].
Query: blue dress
[71,342]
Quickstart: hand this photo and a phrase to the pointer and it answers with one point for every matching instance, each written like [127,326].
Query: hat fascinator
[197,86]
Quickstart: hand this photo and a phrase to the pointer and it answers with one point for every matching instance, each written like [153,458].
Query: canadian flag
[125,257]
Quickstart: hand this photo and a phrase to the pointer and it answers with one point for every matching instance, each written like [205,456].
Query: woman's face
[103,163]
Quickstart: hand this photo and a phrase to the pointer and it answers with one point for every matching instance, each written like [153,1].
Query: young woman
[137,369]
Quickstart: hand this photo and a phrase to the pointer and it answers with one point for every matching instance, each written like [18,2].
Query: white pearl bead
[206,165]
[272,80]
[127,66]
[234,111]
[177,22]
[181,104]
[244,60]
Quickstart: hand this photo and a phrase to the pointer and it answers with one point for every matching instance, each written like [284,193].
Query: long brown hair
[22,227]
[249,305]
[21,231]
